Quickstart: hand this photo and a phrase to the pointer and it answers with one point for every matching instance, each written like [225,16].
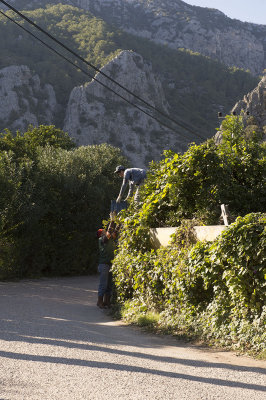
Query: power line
[180,124]
[91,76]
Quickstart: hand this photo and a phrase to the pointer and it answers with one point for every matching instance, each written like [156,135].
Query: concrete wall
[162,236]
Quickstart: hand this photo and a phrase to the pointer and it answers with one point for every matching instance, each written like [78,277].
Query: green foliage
[48,135]
[53,199]
[215,291]
[143,318]
[211,290]
[27,144]
[195,184]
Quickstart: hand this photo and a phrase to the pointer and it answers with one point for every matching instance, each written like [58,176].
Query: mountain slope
[195,86]
[179,25]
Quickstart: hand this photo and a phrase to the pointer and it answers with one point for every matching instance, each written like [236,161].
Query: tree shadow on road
[130,368]
[62,313]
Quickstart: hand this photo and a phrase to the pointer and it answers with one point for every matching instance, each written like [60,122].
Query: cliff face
[252,108]
[23,100]
[254,103]
[179,25]
[95,115]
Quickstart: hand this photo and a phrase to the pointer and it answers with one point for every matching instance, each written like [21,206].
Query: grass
[150,321]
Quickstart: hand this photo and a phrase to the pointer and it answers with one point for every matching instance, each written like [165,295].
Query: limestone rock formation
[23,100]
[95,115]
[252,108]
[254,104]
[179,25]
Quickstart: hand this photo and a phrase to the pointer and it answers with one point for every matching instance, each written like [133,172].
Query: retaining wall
[162,236]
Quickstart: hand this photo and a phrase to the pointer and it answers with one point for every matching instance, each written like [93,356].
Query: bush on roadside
[53,199]
[213,290]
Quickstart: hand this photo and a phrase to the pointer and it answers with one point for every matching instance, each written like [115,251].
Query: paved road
[55,344]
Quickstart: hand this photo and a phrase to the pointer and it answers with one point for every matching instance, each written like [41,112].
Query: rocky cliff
[179,25]
[254,104]
[95,115]
[23,100]
[252,108]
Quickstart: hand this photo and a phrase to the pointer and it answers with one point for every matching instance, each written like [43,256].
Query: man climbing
[133,177]
[106,255]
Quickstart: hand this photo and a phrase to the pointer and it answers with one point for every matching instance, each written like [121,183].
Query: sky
[244,10]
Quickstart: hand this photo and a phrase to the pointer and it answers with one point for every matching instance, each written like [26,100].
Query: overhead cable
[180,124]
[92,77]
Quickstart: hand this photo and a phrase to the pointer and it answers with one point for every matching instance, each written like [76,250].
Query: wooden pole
[225,214]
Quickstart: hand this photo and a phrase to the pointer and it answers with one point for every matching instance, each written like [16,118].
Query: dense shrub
[27,144]
[212,290]
[196,183]
[53,199]
[215,290]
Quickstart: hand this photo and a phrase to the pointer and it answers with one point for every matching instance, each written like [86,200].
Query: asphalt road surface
[55,344]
